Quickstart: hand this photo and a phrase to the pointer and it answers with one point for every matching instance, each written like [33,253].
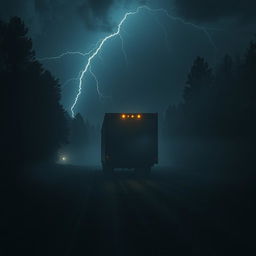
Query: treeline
[34,123]
[35,127]
[220,103]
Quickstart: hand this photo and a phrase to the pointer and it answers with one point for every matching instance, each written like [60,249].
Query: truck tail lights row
[132,116]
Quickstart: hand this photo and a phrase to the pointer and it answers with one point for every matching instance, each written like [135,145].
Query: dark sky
[159,50]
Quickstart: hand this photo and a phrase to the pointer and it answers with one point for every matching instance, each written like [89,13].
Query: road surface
[67,210]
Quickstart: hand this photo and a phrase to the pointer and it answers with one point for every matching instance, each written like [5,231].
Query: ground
[68,210]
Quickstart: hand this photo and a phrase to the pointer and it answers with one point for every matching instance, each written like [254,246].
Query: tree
[35,122]
[199,79]
[248,89]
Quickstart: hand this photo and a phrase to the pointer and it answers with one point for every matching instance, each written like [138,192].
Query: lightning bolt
[70,53]
[175,18]
[65,54]
[97,84]
[92,54]
[123,50]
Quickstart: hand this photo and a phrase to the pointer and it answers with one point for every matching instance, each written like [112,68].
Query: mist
[157,154]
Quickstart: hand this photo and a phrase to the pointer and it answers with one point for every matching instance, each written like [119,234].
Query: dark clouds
[154,73]
[213,10]
[95,14]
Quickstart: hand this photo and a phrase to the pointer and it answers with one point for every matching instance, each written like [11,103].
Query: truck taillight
[124,116]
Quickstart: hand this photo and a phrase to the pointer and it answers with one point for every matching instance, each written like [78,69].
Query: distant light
[128,116]
[123,116]
[132,116]
[139,116]
[63,158]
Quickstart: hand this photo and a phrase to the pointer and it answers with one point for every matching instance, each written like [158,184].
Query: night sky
[159,51]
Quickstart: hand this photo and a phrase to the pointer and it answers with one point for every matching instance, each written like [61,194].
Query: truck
[129,141]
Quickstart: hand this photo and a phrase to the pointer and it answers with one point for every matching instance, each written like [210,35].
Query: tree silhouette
[199,79]
[248,89]
[222,104]
[35,122]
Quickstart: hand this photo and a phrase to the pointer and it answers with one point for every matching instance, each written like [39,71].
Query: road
[69,210]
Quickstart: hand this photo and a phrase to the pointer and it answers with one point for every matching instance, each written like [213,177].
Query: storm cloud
[213,10]
[95,14]
[155,56]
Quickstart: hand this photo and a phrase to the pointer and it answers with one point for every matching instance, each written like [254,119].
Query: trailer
[129,140]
